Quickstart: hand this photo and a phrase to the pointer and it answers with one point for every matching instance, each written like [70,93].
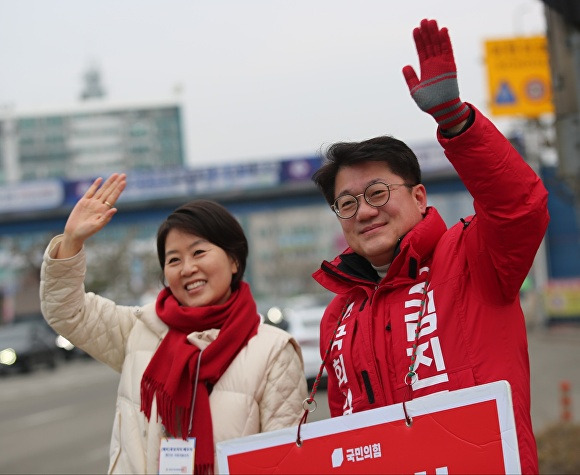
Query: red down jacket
[473,329]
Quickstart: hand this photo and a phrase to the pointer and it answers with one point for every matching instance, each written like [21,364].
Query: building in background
[88,139]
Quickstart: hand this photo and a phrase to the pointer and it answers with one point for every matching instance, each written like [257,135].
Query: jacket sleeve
[92,323]
[281,403]
[510,203]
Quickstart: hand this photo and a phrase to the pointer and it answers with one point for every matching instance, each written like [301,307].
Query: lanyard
[310,399]
[194,393]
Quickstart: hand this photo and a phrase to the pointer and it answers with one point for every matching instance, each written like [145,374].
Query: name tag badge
[177,456]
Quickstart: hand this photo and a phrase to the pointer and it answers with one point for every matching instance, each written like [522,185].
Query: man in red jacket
[420,308]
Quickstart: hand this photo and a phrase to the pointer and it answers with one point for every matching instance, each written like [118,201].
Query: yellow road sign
[519,76]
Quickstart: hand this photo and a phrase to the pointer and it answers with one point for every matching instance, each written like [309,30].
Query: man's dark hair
[396,154]
[211,221]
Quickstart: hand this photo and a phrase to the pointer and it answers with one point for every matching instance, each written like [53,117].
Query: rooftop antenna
[93,88]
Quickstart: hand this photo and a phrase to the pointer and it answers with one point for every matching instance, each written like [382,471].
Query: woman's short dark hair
[211,221]
[396,154]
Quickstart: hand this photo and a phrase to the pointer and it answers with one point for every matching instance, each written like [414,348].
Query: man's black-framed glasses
[376,194]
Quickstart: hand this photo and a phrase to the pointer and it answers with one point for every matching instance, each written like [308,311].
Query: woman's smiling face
[198,272]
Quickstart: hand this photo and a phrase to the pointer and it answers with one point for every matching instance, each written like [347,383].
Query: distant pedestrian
[198,362]
[421,308]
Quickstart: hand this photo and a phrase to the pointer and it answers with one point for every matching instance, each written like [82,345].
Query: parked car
[300,316]
[26,345]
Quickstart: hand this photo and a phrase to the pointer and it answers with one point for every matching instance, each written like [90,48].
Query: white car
[300,316]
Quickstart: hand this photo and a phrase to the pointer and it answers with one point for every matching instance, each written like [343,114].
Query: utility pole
[563,34]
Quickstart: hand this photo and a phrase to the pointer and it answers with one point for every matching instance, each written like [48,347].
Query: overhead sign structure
[518,73]
[466,431]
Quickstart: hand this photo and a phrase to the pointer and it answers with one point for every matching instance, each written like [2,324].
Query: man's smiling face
[373,232]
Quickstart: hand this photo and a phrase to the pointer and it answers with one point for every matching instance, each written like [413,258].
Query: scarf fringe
[203,469]
[176,426]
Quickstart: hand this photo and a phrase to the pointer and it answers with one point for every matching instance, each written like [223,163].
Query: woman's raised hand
[91,213]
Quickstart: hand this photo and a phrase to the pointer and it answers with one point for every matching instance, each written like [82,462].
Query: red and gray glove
[437,93]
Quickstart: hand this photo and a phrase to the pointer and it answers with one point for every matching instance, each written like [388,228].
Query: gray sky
[259,79]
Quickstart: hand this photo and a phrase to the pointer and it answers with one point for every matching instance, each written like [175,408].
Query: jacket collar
[412,250]
[417,245]
[148,316]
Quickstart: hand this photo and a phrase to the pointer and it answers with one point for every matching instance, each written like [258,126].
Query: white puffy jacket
[262,390]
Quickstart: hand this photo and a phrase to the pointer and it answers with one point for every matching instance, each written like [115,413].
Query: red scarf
[170,376]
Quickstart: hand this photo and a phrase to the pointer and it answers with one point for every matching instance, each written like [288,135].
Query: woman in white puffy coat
[195,363]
